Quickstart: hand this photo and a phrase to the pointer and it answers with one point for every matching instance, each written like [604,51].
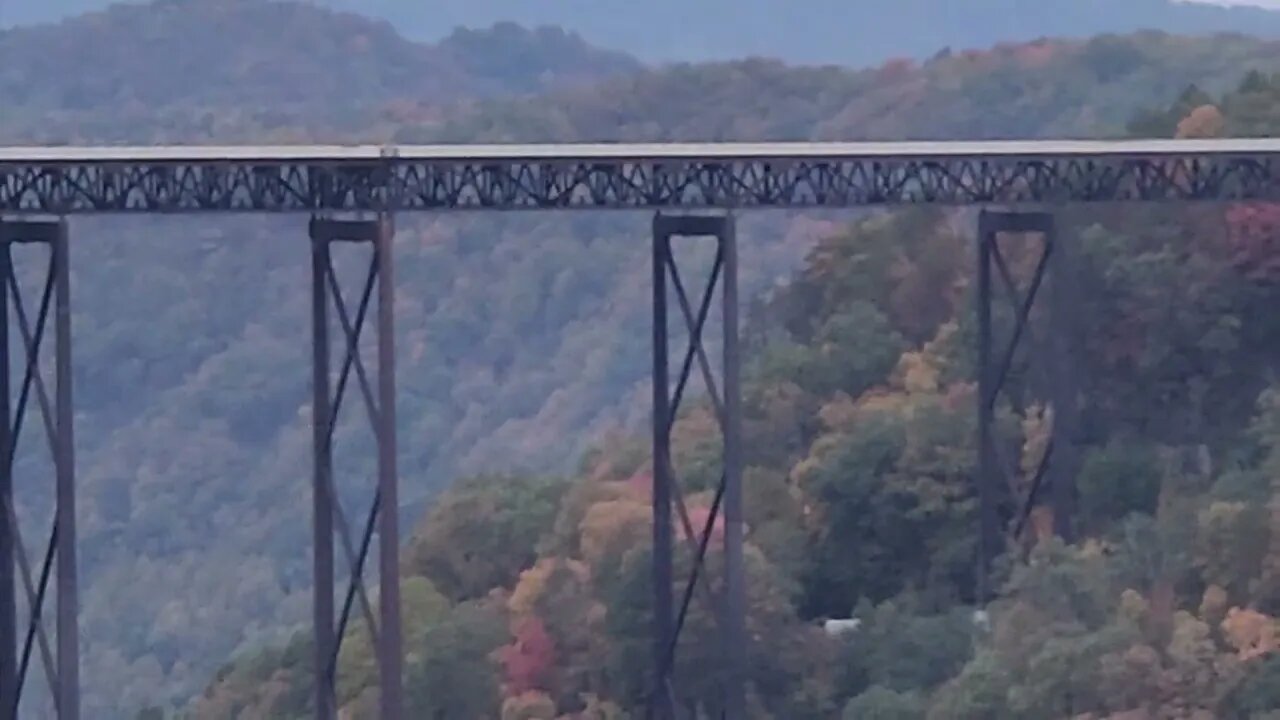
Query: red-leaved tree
[530,659]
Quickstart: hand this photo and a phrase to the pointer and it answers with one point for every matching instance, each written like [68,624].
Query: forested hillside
[527,597]
[258,71]
[523,339]
[1049,88]
[865,32]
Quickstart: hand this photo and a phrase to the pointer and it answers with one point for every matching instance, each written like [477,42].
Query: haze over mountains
[257,71]
[846,32]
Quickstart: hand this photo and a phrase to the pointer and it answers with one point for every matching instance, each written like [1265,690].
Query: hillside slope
[255,70]
[1048,88]
[522,338]
[865,32]
[828,31]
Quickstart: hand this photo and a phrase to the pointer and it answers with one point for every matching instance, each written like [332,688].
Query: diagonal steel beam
[33,604]
[695,325]
[704,542]
[354,561]
[351,356]
[33,357]
[355,585]
[694,348]
[1023,305]
[352,349]
[352,334]
[35,625]
[1033,493]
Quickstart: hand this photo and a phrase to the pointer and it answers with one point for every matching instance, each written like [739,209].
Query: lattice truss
[396,184]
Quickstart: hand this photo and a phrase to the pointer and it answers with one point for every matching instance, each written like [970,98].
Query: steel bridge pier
[28,314]
[728,601]
[378,397]
[1023,369]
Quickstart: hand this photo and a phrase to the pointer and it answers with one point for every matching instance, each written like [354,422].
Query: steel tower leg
[68,579]
[391,657]
[1065,384]
[1020,297]
[60,660]
[735,613]
[988,524]
[322,482]
[663,702]
[8,525]
[728,601]
[329,516]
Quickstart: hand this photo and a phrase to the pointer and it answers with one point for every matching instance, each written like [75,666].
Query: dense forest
[524,360]
[526,595]
[866,32]
[260,71]
[852,34]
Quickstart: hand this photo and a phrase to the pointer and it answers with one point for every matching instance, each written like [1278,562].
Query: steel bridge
[351,194]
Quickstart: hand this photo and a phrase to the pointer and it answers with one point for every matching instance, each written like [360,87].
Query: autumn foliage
[529,659]
[1253,233]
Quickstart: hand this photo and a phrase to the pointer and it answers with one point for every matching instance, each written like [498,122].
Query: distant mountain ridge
[845,32]
[281,67]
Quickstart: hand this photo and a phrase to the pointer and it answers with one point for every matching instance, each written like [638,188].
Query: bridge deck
[797,151]
[335,178]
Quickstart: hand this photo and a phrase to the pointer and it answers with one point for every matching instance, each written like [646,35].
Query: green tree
[1121,478]
[455,674]
[880,703]
[482,532]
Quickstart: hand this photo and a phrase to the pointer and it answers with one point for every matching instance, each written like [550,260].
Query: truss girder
[392,184]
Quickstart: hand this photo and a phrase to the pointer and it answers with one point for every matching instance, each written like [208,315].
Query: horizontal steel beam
[930,150]
[533,177]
